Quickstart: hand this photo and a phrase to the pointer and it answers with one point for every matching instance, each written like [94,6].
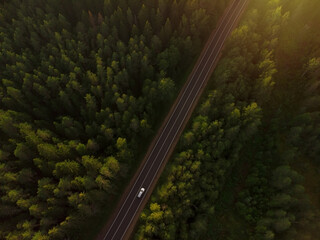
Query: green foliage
[273,200]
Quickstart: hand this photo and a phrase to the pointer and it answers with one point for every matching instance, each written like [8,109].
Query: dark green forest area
[247,166]
[83,84]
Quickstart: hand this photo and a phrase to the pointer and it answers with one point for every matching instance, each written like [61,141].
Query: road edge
[101,234]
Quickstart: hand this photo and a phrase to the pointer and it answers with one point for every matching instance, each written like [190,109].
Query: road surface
[172,128]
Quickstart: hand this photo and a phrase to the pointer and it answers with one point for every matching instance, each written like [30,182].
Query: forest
[242,166]
[84,83]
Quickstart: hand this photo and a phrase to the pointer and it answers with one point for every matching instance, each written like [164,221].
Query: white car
[141,192]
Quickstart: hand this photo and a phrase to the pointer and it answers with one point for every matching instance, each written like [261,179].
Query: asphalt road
[163,144]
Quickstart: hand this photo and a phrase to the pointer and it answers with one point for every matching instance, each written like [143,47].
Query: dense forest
[84,83]
[241,168]
[81,86]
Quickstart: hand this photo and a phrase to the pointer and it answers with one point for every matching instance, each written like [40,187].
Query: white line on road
[155,146]
[182,120]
